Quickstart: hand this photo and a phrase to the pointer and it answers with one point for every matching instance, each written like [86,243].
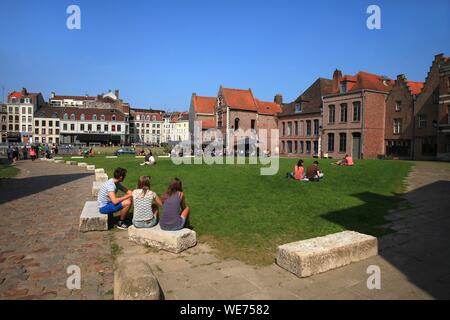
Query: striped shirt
[103,197]
[143,205]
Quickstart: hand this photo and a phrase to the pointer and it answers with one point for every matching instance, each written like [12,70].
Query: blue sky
[159,52]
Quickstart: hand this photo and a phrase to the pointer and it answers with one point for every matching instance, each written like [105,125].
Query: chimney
[401,77]
[337,77]
[24,91]
[116,93]
[278,99]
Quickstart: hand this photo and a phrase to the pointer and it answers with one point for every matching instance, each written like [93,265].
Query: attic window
[298,107]
[398,106]
[343,87]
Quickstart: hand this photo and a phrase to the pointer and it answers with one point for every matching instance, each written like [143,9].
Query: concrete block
[59,161]
[172,241]
[101,170]
[101,177]
[91,219]
[111,157]
[90,168]
[134,280]
[82,164]
[308,257]
[77,157]
[96,185]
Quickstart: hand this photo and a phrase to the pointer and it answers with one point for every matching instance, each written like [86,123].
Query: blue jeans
[146,224]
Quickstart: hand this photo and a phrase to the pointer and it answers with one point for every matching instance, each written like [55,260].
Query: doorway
[356,145]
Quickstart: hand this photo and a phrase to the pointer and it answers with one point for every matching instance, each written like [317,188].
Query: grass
[7,170]
[246,215]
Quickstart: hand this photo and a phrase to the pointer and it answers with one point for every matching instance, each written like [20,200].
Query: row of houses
[104,119]
[365,115]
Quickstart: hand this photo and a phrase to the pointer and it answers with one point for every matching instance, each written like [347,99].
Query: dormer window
[66,116]
[343,87]
[94,117]
[398,106]
[298,107]
[72,116]
[102,117]
[82,117]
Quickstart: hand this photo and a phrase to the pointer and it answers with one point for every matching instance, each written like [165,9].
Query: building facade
[399,124]
[300,122]
[443,139]
[3,123]
[146,126]
[354,116]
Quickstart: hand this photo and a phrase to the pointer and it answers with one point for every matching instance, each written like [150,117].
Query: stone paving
[39,235]
[414,261]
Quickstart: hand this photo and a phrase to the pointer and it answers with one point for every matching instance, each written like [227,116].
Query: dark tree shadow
[13,189]
[416,237]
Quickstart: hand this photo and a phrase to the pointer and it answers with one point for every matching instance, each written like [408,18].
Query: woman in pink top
[299,171]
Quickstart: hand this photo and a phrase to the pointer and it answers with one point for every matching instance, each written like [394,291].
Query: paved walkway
[414,261]
[39,235]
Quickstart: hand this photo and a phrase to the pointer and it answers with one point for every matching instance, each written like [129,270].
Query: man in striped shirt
[109,203]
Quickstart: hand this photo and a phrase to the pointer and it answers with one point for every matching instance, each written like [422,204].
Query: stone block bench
[91,219]
[96,185]
[59,161]
[72,163]
[101,177]
[77,157]
[308,257]
[111,157]
[172,241]
[90,168]
[82,164]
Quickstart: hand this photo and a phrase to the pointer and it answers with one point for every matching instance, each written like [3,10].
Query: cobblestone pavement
[414,261]
[39,236]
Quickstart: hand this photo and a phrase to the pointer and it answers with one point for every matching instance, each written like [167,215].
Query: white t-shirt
[143,205]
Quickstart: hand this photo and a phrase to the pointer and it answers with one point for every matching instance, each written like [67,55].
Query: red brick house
[399,132]
[202,109]
[426,112]
[443,152]
[300,122]
[354,115]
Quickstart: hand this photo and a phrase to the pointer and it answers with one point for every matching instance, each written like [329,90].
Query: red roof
[415,87]
[179,116]
[59,112]
[204,104]
[239,99]
[365,80]
[268,107]
[208,123]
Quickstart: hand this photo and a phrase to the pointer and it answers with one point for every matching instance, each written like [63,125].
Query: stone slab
[82,164]
[72,163]
[111,157]
[101,177]
[101,170]
[90,168]
[59,161]
[140,157]
[172,241]
[308,257]
[134,280]
[77,157]
[91,219]
[96,185]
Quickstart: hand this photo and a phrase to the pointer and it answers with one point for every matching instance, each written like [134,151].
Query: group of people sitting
[145,202]
[346,161]
[313,172]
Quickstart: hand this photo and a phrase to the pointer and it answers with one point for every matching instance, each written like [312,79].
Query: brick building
[354,115]
[399,125]
[443,139]
[202,109]
[300,122]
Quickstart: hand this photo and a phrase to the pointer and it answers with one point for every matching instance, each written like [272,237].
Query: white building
[146,126]
[176,127]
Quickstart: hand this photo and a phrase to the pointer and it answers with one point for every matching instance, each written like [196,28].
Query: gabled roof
[270,108]
[204,104]
[80,98]
[365,80]
[179,116]
[239,99]
[415,87]
[58,112]
[311,99]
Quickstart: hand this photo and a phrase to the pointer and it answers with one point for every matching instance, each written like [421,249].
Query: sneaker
[123,225]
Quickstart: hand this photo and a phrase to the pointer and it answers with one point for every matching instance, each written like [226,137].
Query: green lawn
[246,215]
[6,170]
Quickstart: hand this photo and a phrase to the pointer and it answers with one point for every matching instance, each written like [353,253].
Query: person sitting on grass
[346,161]
[145,203]
[175,212]
[299,171]
[313,173]
[109,203]
[149,160]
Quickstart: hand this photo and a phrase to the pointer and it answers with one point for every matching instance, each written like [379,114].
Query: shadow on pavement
[13,189]
[420,233]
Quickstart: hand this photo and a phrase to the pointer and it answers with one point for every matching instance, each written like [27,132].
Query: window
[397,126]
[50,123]
[316,147]
[113,128]
[36,123]
[284,129]
[344,112]
[43,131]
[253,124]
[72,127]
[219,119]
[289,146]
[30,110]
[343,142]
[296,128]
[331,142]
[422,121]
[331,114]
[436,97]
[72,117]
[65,117]
[113,118]
[94,117]
[236,124]
[102,117]
[119,128]
[82,117]
[289,129]
[56,123]
[298,108]
[398,106]
[36,131]
[99,127]
[343,87]
[50,131]
[65,126]
[356,111]
[316,127]
[308,146]
[295,147]
[89,127]
[302,147]
[24,110]
[308,128]
[106,128]
[82,127]
[56,132]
